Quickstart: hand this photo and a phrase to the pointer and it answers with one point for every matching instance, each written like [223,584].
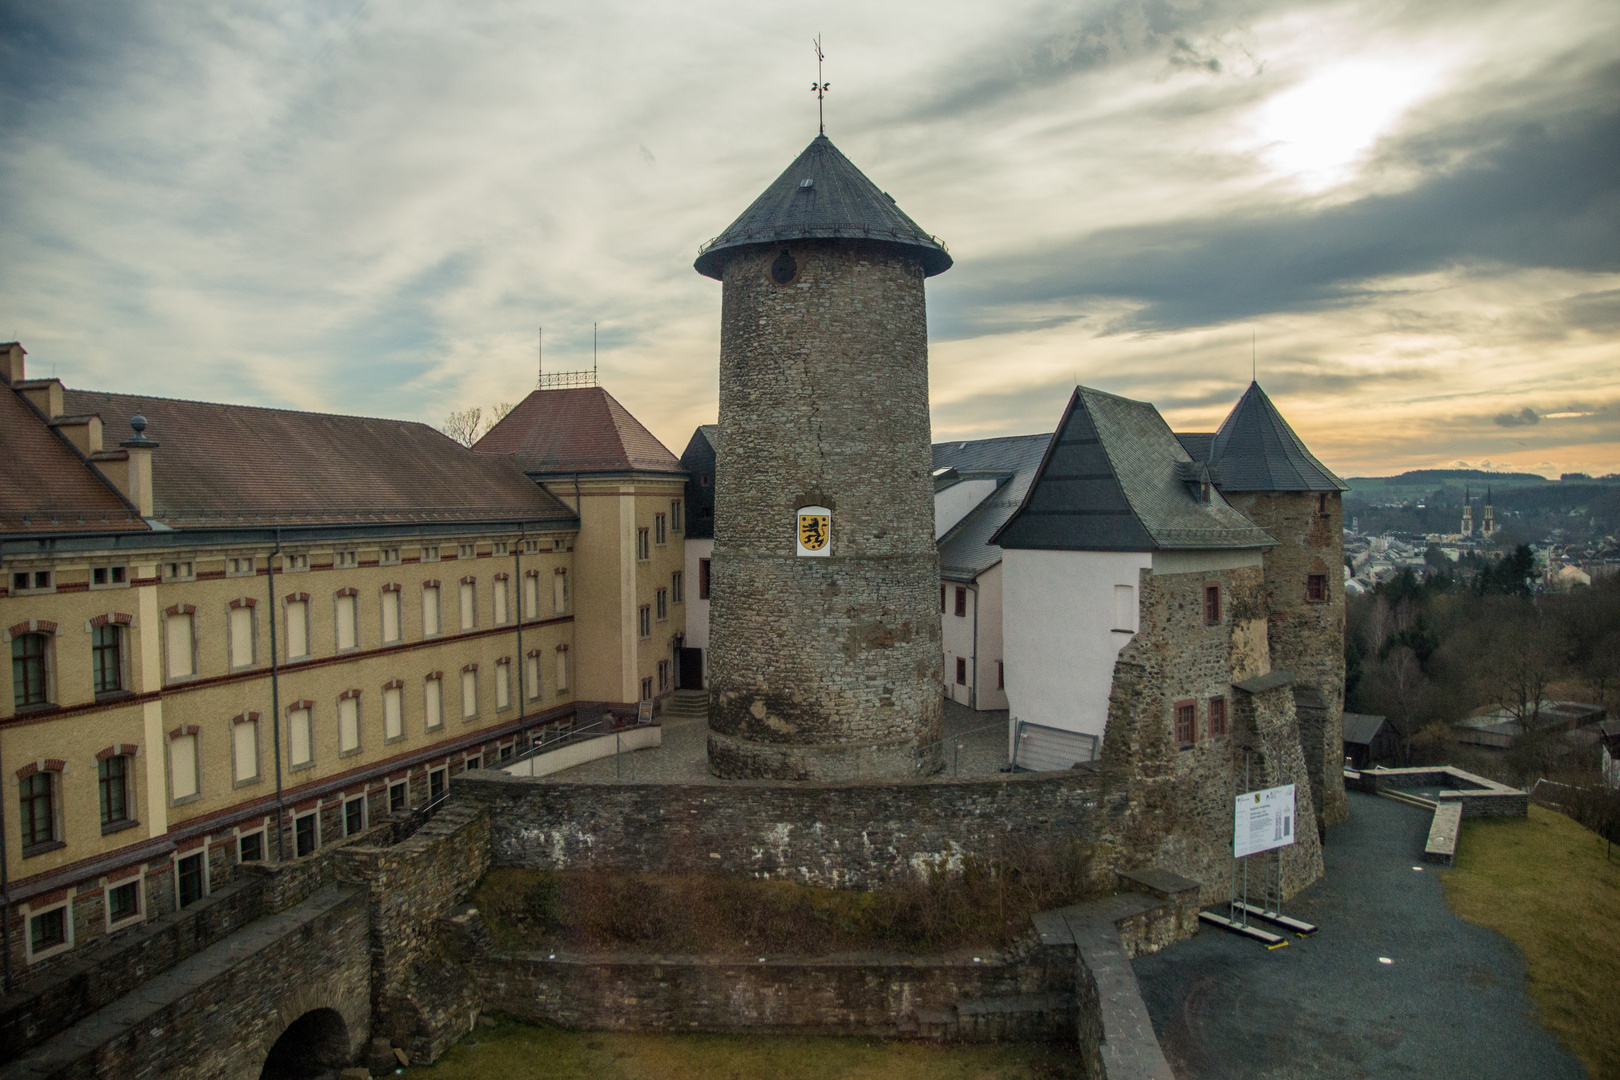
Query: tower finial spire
[819,87]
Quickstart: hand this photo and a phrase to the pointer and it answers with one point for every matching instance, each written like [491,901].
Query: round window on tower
[784,269]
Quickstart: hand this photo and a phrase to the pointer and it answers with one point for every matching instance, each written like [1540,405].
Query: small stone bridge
[283,974]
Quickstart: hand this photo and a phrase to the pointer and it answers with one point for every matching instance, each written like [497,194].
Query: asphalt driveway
[1452,1002]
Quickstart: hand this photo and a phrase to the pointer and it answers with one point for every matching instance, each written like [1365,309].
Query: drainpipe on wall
[275,704]
[973,691]
[522,661]
[5,878]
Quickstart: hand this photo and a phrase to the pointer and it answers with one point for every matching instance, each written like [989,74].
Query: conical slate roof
[1256,450]
[822,195]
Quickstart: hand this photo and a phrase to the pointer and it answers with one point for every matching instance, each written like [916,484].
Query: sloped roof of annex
[583,430]
[965,551]
[1109,482]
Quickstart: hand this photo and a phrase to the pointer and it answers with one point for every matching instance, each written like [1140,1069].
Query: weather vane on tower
[819,87]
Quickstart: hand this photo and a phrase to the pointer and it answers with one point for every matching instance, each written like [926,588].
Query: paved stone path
[1452,1004]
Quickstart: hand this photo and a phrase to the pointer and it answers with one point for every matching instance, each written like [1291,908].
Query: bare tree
[464,426]
[498,412]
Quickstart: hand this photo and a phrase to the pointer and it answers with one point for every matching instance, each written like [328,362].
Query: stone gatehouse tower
[824,660]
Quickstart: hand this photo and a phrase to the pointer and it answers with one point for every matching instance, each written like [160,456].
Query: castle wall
[1308,638]
[850,835]
[879,995]
[824,668]
[1181,798]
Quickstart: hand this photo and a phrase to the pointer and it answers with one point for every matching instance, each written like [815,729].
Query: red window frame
[1212,604]
[1186,723]
[961,671]
[1316,588]
[961,601]
[1217,716]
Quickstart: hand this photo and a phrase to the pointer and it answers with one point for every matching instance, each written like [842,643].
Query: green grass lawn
[1547,883]
[510,1049]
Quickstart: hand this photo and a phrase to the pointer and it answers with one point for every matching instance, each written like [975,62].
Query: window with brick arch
[1217,716]
[1186,722]
[1212,604]
[113,781]
[29,653]
[107,658]
[37,794]
[1316,588]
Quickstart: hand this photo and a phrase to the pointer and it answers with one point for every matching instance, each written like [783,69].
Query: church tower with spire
[1466,529]
[825,659]
[1488,526]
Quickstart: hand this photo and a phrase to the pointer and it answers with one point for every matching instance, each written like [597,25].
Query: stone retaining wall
[870,995]
[858,835]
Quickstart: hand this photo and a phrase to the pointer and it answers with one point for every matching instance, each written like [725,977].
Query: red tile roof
[240,461]
[45,485]
[584,431]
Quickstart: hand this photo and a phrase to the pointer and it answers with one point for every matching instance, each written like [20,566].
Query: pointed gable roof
[1256,450]
[823,195]
[577,431]
[1109,482]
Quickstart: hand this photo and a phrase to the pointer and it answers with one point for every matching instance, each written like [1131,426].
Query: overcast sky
[1410,213]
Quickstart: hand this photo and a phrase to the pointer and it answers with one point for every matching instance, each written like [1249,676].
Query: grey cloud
[1547,194]
[1524,417]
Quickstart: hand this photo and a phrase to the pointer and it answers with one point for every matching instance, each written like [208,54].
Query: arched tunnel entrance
[314,1045]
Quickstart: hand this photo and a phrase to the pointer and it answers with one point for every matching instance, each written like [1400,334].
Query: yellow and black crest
[814,530]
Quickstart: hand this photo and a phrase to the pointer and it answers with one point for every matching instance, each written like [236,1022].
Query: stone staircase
[687,705]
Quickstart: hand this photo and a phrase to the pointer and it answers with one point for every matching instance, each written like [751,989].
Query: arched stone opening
[314,1045]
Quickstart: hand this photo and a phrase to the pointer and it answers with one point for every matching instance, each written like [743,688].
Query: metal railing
[561,733]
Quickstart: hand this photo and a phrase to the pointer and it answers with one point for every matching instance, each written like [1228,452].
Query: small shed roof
[1361,729]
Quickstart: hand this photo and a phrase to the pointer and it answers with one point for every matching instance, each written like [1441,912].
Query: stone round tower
[824,639]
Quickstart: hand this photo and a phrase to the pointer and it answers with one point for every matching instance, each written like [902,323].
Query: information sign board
[1263,820]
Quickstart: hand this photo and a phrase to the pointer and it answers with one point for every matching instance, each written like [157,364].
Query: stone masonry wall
[1181,797]
[842,835]
[420,999]
[1308,639]
[876,995]
[824,668]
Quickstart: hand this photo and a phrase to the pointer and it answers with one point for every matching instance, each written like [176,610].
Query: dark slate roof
[46,485]
[1256,450]
[576,431]
[1196,443]
[244,463]
[965,551]
[1360,728]
[838,202]
[698,459]
[1109,482]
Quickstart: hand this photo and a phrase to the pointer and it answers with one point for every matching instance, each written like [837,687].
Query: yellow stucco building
[221,617]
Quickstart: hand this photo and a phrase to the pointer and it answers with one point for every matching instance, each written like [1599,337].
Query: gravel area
[1452,1002]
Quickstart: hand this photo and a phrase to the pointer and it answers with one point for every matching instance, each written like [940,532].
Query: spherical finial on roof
[138,422]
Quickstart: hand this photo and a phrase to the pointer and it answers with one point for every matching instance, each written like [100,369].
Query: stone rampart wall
[873,995]
[842,835]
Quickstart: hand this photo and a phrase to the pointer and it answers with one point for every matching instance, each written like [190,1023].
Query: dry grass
[1550,885]
[983,906]
[518,1051]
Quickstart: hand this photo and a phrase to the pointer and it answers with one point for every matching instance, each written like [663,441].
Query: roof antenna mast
[540,355]
[1254,355]
[819,87]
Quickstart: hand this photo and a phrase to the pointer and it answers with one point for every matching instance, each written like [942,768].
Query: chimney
[11,363]
[138,480]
